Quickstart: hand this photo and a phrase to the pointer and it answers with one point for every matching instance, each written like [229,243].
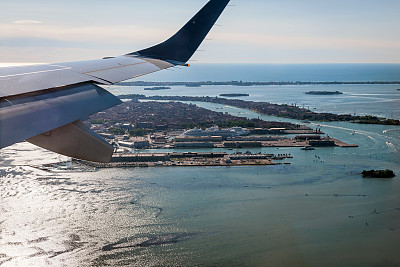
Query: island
[378,174]
[283,110]
[233,95]
[157,88]
[163,125]
[324,93]
[241,83]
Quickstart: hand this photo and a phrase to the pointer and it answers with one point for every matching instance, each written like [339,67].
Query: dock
[186,160]
[340,143]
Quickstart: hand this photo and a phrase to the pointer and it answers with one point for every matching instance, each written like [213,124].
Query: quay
[189,159]
[261,141]
[340,143]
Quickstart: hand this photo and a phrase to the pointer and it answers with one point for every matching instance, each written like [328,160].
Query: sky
[249,31]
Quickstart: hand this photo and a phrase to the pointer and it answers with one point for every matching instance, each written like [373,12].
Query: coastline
[313,201]
[241,83]
[266,108]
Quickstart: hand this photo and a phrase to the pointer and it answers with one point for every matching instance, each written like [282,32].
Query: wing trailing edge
[75,140]
[29,115]
[43,104]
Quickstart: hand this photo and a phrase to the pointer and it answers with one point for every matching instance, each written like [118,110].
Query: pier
[189,159]
[340,143]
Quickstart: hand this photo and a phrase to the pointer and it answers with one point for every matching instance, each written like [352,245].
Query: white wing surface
[45,104]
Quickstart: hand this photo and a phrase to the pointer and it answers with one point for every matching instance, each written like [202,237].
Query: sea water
[315,211]
[360,99]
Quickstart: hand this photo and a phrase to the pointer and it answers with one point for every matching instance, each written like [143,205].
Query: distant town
[285,111]
[241,83]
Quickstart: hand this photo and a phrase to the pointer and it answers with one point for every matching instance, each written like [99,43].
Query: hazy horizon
[252,31]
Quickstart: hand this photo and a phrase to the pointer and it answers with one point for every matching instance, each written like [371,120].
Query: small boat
[307,148]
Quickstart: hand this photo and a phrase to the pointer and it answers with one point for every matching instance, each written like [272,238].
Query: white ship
[216,131]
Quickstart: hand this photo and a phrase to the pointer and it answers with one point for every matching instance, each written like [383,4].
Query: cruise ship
[216,131]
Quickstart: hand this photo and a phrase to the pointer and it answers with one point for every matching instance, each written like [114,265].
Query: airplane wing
[45,104]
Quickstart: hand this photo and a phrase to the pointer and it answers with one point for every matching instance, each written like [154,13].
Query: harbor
[75,214]
[188,159]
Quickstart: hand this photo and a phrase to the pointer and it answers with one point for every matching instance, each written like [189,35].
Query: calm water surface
[378,100]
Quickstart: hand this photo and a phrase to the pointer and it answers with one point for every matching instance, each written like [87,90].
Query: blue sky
[252,31]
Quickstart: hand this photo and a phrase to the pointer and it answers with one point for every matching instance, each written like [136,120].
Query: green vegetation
[157,88]
[97,121]
[134,132]
[233,95]
[117,131]
[131,96]
[138,132]
[378,174]
[376,120]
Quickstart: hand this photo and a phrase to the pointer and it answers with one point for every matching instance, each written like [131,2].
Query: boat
[307,148]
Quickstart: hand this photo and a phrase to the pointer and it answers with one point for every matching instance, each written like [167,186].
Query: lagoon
[316,211]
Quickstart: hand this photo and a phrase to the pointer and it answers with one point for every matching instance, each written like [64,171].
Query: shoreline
[240,83]
[271,109]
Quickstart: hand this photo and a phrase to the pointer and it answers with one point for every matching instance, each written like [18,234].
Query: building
[263,131]
[308,137]
[159,138]
[127,126]
[140,142]
[145,125]
[253,138]
[216,131]
[198,155]
[161,127]
[276,130]
[248,156]
[140,157]
[193,144]
[184,138]
[107,135]
[126,144]
[241,144]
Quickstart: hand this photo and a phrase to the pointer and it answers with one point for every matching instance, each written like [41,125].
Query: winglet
[181,46]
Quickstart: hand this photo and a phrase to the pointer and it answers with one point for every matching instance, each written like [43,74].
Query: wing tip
[181,46]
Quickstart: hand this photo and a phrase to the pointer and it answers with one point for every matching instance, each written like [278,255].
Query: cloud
[27,21]
[305,42]
[126,34]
